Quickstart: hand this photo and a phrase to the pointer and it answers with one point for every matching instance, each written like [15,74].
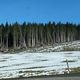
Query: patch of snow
[32,64]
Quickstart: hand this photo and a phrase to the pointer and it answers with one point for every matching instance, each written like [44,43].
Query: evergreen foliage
[19,36]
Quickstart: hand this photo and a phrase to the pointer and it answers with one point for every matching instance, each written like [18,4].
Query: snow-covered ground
[33,64]
[57,47]
[42,62]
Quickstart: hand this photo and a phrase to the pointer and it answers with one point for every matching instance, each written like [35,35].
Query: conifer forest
[28,35]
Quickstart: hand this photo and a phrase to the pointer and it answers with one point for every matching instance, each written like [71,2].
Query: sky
[40,11]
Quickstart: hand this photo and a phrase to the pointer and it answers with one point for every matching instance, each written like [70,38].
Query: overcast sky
[39,11]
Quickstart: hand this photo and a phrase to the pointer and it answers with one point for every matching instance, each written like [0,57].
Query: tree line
[28,35]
